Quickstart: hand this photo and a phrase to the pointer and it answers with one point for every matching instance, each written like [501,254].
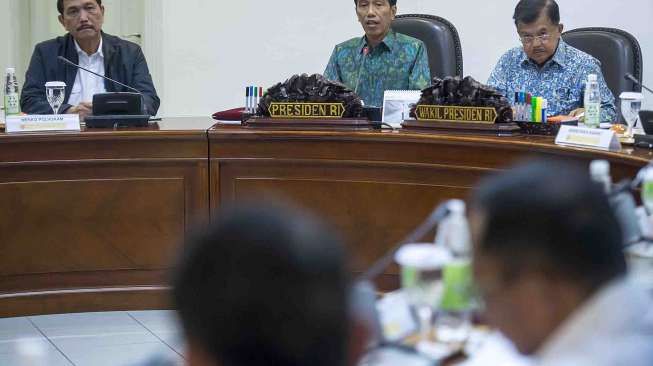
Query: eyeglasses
[530,39]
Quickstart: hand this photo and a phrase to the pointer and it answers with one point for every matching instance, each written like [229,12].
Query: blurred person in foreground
[549,265]
[266,286]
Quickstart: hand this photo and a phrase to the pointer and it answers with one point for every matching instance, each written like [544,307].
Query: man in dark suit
[88,46]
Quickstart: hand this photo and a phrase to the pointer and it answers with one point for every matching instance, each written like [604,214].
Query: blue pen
[251,99]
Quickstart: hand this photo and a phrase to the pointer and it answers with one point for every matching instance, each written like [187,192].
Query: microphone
[363,292]
[70,63]
[630,77]
[115,109]
[365,52]
[440,212]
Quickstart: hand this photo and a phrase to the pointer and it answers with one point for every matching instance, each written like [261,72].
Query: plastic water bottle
[454,320]
[11,99]
[647,189]
[592,102]
[600,173]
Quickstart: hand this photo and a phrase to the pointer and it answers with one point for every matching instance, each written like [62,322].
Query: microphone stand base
[117,121]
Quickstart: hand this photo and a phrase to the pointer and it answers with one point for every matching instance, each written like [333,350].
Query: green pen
[534,109]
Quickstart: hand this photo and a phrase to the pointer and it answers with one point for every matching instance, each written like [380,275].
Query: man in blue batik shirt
[548,67]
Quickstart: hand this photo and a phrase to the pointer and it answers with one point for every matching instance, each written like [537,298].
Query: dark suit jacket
[123,61]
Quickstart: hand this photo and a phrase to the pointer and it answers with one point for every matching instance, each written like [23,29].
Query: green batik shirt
[399,62]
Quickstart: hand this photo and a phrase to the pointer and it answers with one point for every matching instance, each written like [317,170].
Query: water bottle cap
[422,256]
[592,77]
[600,168]
[456,206]
[55,84]
[11,70]
[631,96]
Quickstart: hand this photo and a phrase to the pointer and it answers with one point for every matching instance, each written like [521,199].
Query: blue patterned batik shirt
[399,62]
[561,80]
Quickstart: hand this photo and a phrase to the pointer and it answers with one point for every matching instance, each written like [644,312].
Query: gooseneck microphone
[434,218]
[111,110]
[365,52]
[363,295]
[70,63]
[630,77]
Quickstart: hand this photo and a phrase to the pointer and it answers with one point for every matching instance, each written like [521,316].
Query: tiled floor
[91,339]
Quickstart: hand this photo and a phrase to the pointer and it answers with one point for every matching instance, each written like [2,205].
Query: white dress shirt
[86,84]
[614,327]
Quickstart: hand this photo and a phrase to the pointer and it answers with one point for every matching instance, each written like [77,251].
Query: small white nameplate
[42,123]
[592,138]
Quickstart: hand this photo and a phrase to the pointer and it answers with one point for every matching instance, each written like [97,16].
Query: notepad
[397,105]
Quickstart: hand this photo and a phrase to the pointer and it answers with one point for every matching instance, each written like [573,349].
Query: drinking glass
[421,279]
[631,103]
[55,91]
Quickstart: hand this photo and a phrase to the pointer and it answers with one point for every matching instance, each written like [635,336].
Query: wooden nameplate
[495,129]
[345,124]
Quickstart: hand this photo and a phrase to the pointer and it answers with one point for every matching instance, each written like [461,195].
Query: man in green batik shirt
[382,59]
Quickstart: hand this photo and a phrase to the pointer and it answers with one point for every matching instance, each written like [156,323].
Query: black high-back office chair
[618,51]
[441,40]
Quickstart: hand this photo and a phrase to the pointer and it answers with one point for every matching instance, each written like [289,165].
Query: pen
[251,99]
[247,99]
[255,99]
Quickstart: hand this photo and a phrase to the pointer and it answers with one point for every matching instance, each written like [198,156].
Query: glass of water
[631,104]
[421,280]
[56,93]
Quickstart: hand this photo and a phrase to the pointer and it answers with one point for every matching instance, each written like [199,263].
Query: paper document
[397,105]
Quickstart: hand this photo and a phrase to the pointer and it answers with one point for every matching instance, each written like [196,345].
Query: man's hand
[83,109]
[577,112]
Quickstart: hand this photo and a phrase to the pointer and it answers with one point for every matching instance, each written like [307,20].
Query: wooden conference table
[91,221]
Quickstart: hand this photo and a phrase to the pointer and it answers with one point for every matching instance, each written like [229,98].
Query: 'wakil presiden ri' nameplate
[460,105]
[443,113]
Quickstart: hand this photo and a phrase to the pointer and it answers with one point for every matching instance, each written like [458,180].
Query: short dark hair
[265,286]
[60,5]
[527,11]
[550,216]
[391,2]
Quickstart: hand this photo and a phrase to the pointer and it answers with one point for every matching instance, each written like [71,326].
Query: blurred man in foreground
[265,287]
[549,264]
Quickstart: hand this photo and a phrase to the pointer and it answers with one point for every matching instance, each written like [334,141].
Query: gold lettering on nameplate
[441,113]
[307,110]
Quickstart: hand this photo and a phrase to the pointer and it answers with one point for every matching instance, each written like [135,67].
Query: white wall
[212,49]
[13,33]
[203,52]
